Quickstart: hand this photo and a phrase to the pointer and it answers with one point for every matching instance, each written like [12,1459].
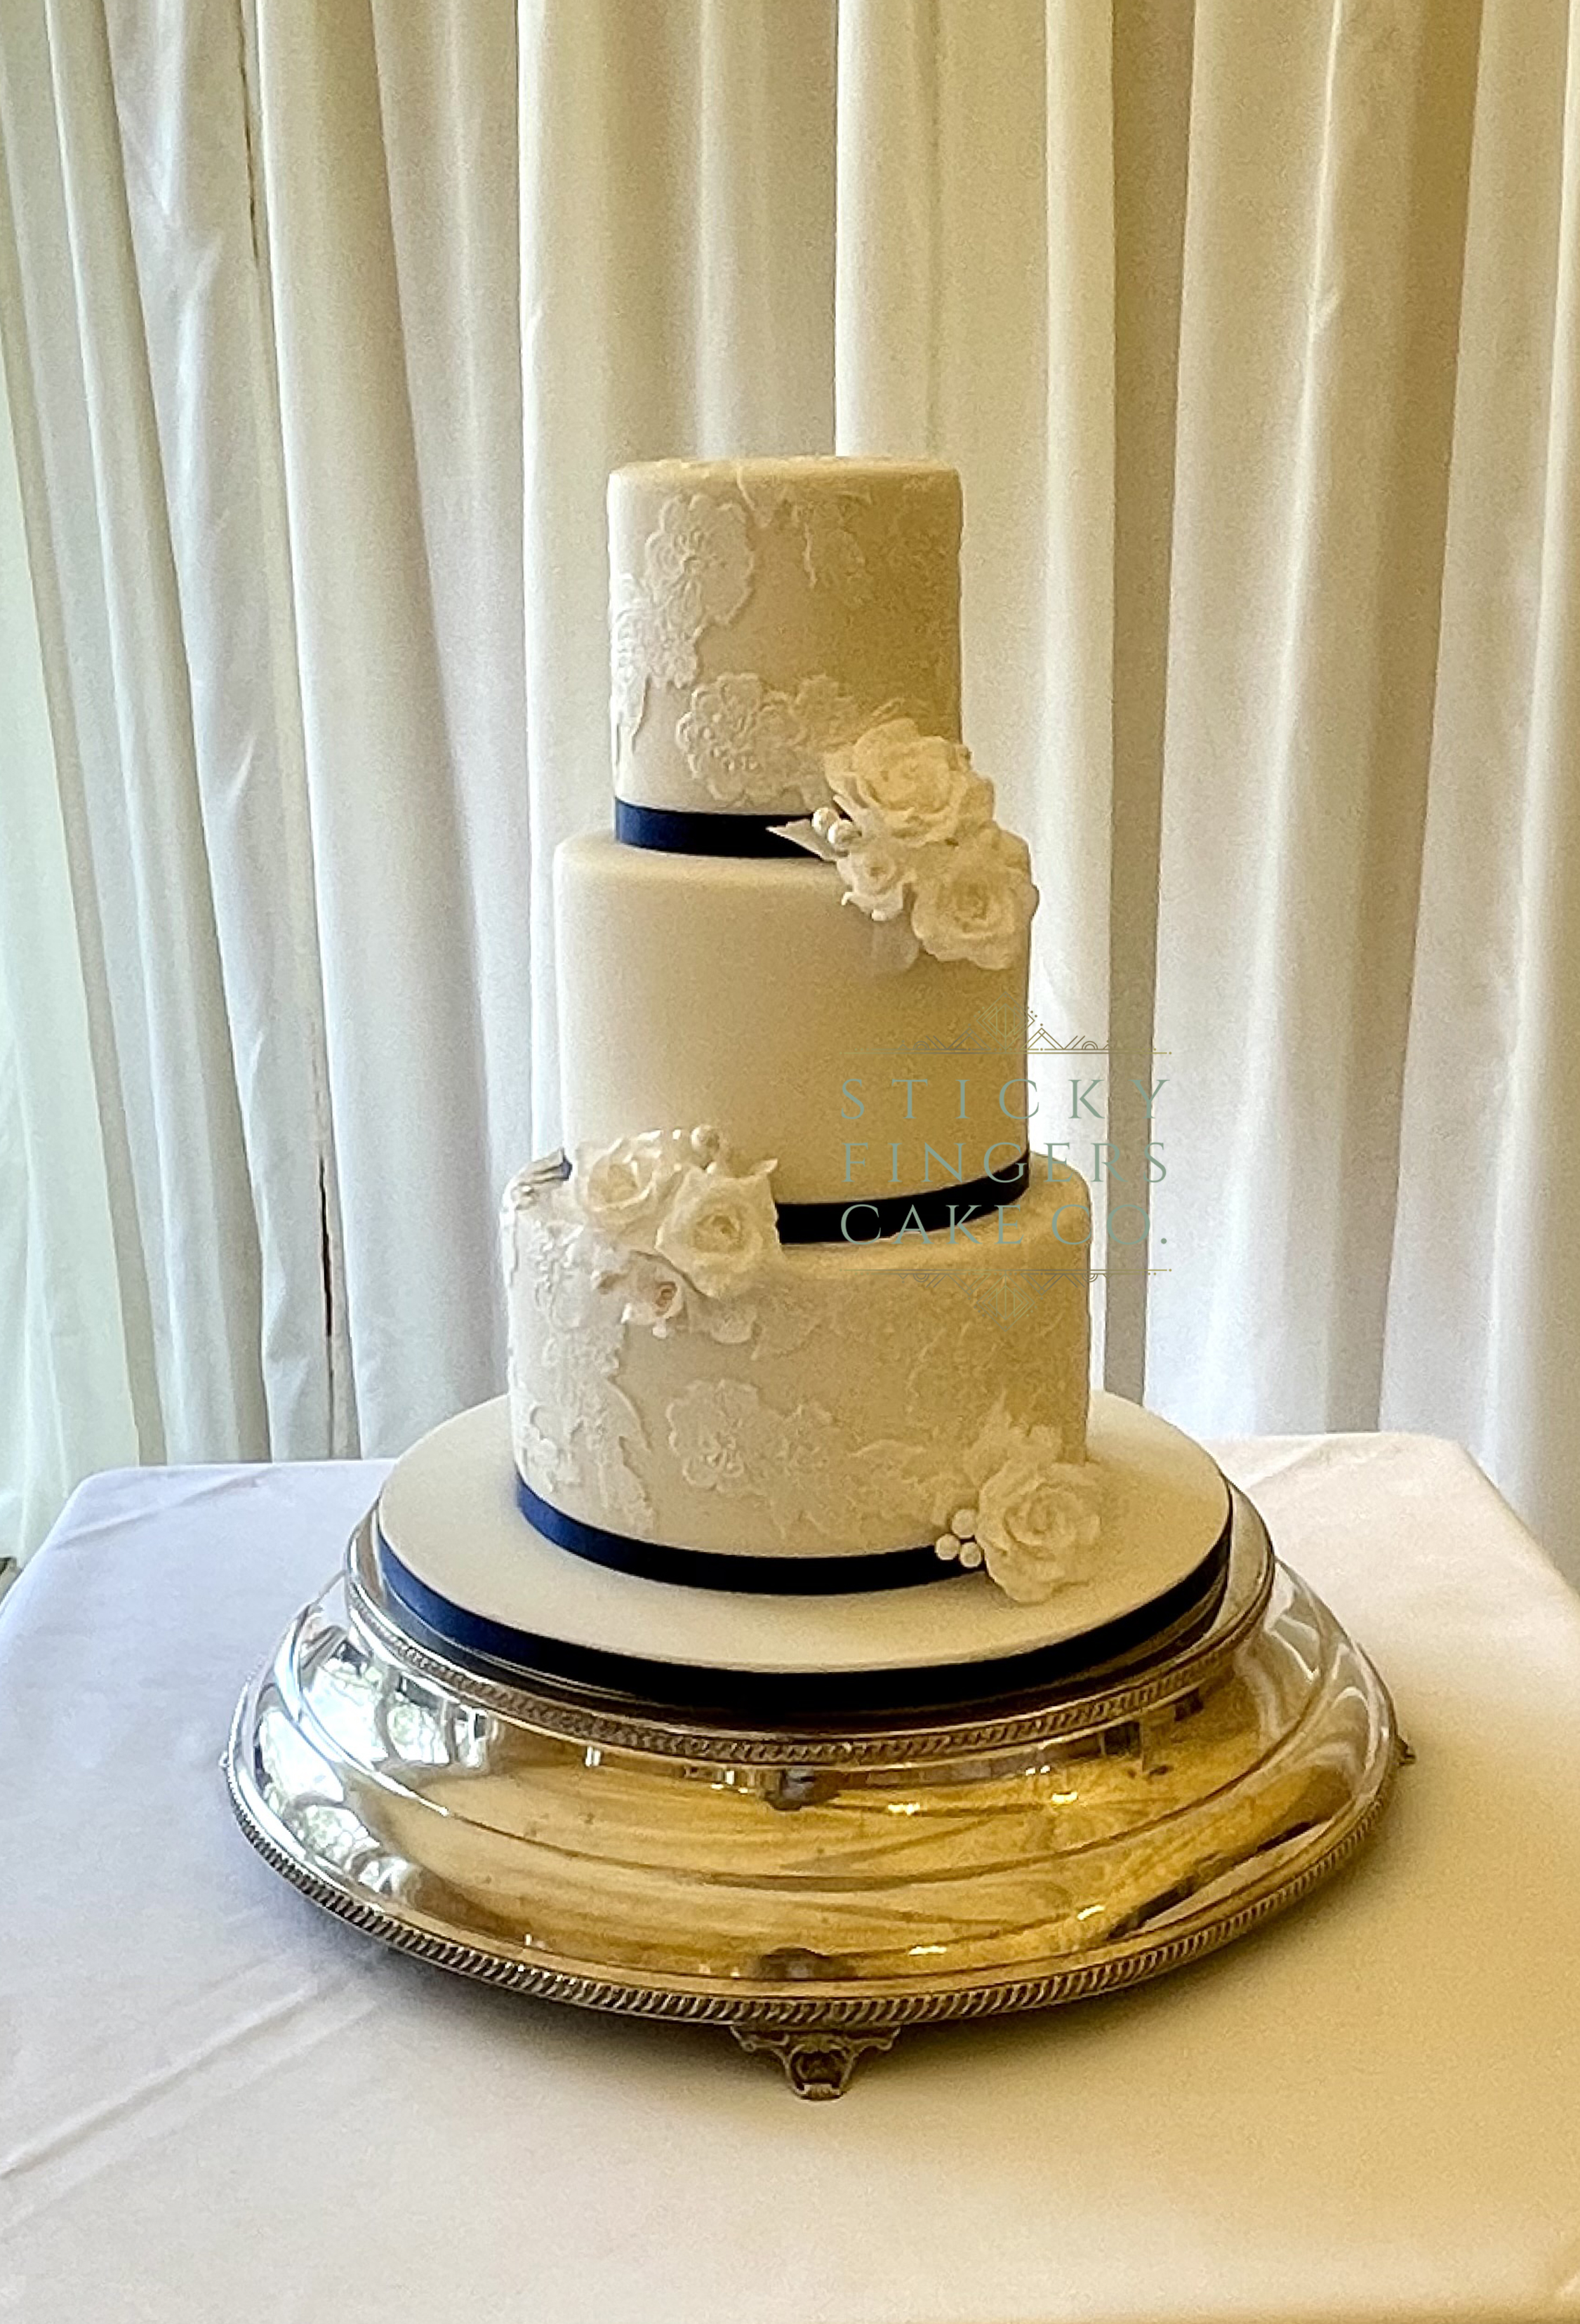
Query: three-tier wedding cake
[798,1415]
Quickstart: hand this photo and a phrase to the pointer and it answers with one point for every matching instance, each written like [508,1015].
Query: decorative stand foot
[818,2063]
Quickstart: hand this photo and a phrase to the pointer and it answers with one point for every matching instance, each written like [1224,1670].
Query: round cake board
[448,1513]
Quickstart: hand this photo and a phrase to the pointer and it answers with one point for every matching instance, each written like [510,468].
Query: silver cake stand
[816,1891]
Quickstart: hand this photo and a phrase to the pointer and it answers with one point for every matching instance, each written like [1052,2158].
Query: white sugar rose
[719,1231]
[896,782]
[876,873]
[918,851]
[974,902]
[657,1296]
[621,1190]
[1037,1523]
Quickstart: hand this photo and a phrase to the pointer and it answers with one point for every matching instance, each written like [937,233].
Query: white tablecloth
[216,2104]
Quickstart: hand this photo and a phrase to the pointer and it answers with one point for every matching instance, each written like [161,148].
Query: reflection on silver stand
[816,1891]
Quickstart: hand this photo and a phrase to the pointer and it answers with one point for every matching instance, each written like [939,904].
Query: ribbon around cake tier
[861,1219]
[682,831]
[705,1569]
[868,1219]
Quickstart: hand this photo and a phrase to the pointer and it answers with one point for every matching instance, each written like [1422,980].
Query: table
[216,2103]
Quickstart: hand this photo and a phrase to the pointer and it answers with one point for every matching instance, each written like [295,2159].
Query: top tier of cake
[764,612]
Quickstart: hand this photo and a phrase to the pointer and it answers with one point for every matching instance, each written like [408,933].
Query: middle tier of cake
[852,1401]
[738,989]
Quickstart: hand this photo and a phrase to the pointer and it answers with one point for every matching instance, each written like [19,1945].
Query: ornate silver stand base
[817,1892]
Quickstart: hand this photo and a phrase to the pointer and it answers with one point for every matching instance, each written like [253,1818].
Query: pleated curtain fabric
[1252,327]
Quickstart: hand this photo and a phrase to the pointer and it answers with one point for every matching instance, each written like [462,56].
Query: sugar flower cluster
[1036,1518]
[911,832]
[676,1219]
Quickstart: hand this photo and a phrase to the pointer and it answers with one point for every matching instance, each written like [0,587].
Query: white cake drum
[465,1564]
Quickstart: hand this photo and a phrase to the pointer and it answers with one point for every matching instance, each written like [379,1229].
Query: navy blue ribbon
[710,1568]
[681,831]
[935,1209]
[798,1699]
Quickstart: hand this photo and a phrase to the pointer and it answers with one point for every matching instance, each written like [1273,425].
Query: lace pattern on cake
[729,1439]
[750,744]
[696,572]
[1010,1503]
[832,555]
[575,1429]
[918,556]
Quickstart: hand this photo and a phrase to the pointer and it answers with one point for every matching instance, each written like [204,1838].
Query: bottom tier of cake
[845,1403]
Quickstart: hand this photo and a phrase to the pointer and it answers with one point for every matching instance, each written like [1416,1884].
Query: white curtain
[1253,326]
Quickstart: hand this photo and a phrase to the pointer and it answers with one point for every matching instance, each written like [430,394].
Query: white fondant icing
[448,1513]
[762,610]
[859,1395]
[738,991]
